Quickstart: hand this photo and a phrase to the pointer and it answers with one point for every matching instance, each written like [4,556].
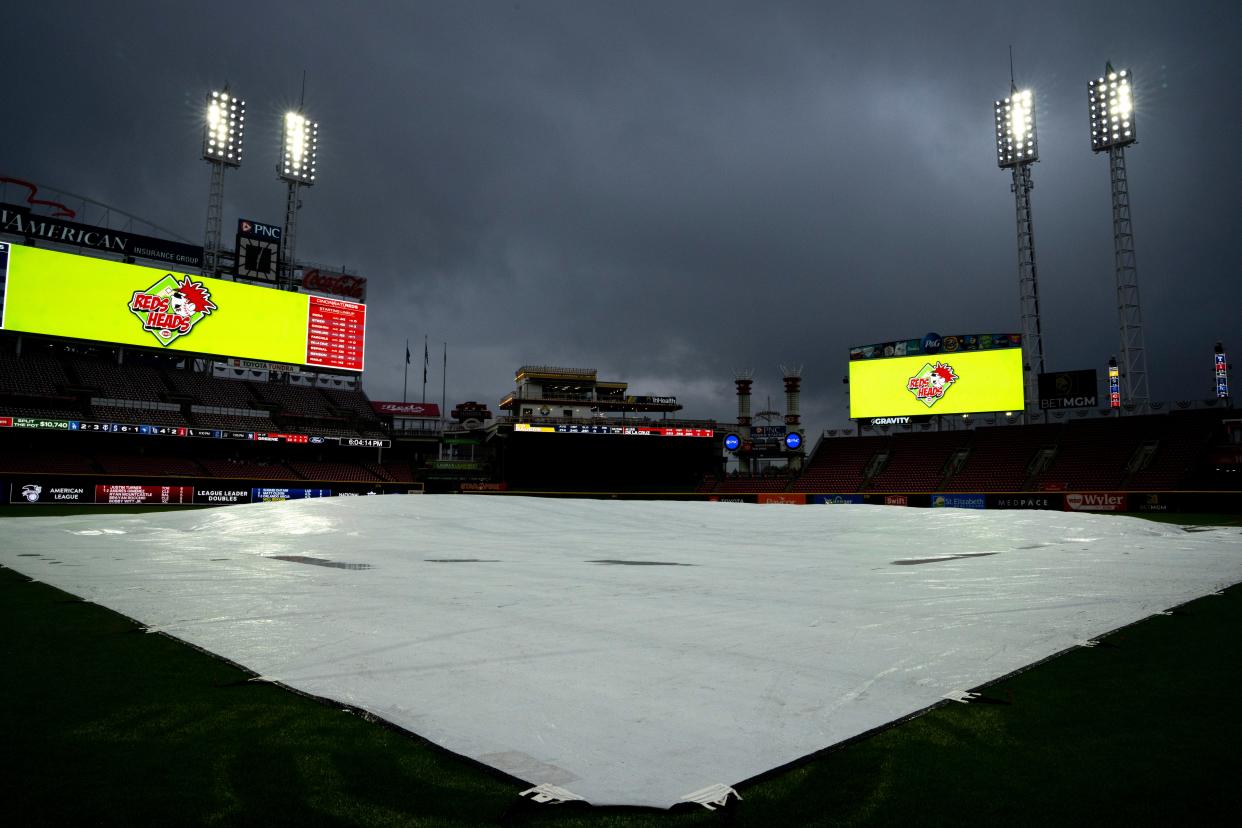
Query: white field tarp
[629,652]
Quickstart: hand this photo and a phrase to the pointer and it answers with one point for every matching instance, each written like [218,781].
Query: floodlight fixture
[301,148]
[1111,99]
[1015,129]
[224,128]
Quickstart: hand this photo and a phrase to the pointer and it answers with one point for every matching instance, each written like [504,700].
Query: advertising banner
[404,409]
[1069,389]
[342,284]
[41,491]
[958,501]
[834,500]
[1025,501]
[1095,501]
[792,498]
[19,221]
[767,435]
[948,383]
[61,294]
[934,343]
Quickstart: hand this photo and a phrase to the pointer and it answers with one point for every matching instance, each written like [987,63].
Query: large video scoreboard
[62,294]
[964,382]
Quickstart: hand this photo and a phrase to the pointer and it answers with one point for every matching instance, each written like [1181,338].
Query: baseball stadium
[240,589]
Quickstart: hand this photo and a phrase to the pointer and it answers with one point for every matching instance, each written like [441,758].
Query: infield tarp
[630,652]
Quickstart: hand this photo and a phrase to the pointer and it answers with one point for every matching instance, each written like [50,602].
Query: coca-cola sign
[336,284]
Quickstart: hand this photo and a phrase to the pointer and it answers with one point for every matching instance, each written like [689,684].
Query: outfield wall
[40,489]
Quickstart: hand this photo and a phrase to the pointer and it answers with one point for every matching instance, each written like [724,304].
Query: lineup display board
[628,431]
[61,294]
[956,383]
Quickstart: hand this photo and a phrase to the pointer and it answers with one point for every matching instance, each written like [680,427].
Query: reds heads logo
[170,309]
[931,383]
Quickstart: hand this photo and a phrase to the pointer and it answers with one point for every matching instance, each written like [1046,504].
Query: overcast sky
[668,191]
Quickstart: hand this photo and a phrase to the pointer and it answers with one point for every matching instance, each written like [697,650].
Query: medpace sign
[19,221]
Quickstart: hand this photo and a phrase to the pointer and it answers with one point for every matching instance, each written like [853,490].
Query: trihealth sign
[61,294]
[957,383]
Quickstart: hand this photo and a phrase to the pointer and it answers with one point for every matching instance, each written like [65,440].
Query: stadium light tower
[223,131]
[1016,149]
[298,159]
[1112,130]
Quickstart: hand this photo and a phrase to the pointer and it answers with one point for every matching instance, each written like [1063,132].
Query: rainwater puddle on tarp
[461,560]
[941,558]
[320,562]
[641,563]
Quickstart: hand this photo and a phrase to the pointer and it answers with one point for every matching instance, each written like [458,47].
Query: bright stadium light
[1112,110]
[300,151]
[1017,149]
[1015,130]
[224,128]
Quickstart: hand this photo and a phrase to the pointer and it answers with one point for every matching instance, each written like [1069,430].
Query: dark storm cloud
[669,191]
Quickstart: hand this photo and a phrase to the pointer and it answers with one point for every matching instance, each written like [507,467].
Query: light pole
[1016,149]
[298,159]
[223,131]
[1112,130]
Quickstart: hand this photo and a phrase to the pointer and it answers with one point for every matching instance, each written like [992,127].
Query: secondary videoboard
[62,294]
[627,431]
[965,382]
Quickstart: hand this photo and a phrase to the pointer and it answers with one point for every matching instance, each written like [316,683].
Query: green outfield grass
[104,724]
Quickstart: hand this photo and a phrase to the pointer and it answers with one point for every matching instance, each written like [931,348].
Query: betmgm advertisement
[61,294]
[964,382]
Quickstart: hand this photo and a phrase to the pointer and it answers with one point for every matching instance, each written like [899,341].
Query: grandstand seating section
[142,416]
[248,469]
[32,375]
[838,465]
[999,458]
[292,400]
[393,472]
[1182,440]
[43,462]
[753,484]
[351,402]
[205,389]
[1084,453]
[149,466]
[319,470]
[916,461]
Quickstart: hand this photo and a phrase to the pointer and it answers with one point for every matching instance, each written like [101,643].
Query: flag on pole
[426,360]
[407,353]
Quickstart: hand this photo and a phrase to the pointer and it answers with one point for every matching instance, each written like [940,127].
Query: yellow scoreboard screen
[962,382]
[61,294]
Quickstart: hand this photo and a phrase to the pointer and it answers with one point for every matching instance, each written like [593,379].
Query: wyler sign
[1095,502]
